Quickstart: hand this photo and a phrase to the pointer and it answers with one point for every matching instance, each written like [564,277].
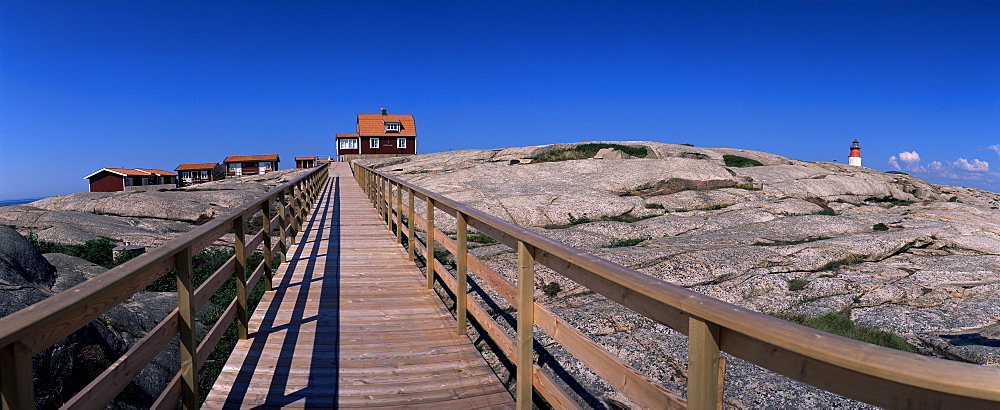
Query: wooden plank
[395,340]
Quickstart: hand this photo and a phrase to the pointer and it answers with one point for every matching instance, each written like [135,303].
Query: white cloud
[935,166]
[909,157]
[893,163]
[973,166]
[995,148]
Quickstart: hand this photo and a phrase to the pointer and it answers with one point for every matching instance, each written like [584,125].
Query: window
[392,127]
[400,142]
[373,143]
[349,144]
[204,174]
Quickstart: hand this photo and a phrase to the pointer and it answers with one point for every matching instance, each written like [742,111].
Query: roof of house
[241,158]
[373,125]
[347,135]
[157,171]
[196,167]
[305,158]
[121,172]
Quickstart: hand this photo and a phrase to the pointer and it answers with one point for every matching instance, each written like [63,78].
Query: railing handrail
[818,358]
[42,324]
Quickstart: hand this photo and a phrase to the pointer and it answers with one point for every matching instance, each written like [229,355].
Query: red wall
[387,146]
[106,182]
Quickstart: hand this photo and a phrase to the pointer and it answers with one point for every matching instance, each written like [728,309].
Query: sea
[5,202]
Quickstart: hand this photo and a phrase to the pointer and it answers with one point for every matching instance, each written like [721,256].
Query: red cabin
[239,165]
[379,136]
[305,162]
[125,179]
[199,173]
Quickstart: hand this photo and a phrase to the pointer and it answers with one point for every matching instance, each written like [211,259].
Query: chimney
[383,111]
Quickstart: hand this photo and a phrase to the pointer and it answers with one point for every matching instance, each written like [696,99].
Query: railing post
[268,269]
[17,384]
[525,323]
[399,213]
[429,249]
[283,248]
[703,364]
[411,244]
[461,262]
[387,195]
[296,205]
[241,277]
[186,324]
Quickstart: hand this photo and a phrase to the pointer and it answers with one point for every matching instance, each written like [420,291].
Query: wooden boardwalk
[351,324]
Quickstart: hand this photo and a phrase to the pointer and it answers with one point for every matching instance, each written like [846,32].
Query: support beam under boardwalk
[351,324]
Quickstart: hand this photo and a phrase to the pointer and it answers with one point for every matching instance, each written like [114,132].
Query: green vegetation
[573,220]
[687,145]
[797,284]
[896,172]
[97,251]
[619,243]
[740,162]
[841,324]
[204,264]
[880,227]
[653,205]
[551,289]
[584,151]
[827,212]
[481,239]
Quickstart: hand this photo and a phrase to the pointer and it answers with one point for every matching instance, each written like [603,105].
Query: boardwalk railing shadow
[869,373]
[33,329]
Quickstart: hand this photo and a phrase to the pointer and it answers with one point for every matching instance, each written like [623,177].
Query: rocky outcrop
[144,218]
[27,277]
[787,237]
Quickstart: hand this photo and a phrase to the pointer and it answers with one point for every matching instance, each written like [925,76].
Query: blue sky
[86,85]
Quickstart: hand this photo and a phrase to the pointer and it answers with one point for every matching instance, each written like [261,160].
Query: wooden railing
[873,374]
[35,328]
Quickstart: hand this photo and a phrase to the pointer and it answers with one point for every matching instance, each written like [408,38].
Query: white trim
[401,143]
[373,143]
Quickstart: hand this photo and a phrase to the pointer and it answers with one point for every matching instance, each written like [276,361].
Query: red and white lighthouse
[855,157]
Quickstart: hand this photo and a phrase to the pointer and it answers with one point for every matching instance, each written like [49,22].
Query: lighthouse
[855,157]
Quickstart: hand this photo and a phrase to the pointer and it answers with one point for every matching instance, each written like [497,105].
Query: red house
[199,173]
[379,136]
[239,165]
[305,162]
[124,179]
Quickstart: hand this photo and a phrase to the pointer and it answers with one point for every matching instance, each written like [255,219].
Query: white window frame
[204,174]
[349,143]
[393,126]
[373,143]
[400,142]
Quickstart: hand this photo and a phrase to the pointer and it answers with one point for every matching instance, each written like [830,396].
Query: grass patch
[797,284]
[740,162]
[96,251]
[880,227]
[584,151]
[627,218]
[620,243]
[841,324]
[481,239]
[827,212]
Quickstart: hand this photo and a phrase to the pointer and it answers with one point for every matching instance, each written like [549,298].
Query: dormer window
[392,126]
